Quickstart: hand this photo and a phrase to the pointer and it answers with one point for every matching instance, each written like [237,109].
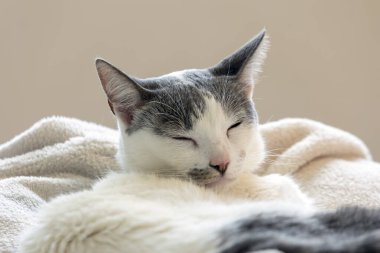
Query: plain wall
[324,61]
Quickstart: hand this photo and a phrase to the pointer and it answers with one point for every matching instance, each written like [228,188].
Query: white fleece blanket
[61,155]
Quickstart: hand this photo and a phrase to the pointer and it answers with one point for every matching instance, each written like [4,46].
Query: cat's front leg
[265,188]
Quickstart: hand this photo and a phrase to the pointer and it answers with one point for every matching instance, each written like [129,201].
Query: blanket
[55,156]
[332,166]
[60,155]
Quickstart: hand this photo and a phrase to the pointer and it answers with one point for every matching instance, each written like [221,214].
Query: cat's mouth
[209,177]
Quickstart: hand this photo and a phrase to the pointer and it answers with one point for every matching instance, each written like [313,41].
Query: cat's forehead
[182,75]
[198,77]
[180,100]
[200,81]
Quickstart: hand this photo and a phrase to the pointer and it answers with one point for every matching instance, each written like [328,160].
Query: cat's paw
[279,187]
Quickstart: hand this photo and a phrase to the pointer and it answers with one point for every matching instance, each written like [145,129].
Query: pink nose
[219,165]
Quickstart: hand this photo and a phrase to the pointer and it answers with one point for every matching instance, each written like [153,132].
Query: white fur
[148,153]
[144,151]
[141,213]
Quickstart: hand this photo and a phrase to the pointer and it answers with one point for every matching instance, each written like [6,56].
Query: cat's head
[197,124]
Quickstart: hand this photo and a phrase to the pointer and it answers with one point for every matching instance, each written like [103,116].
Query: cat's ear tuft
[246,62]
[124,93]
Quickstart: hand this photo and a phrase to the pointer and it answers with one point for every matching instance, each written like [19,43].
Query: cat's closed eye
[183,138]
[234,125]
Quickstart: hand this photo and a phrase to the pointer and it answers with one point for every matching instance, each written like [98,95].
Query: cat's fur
[346,230]
[191,123]
[141,213]
[133,212]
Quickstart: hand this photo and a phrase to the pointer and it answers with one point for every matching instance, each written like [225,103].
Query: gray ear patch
[234,64]
[170,104]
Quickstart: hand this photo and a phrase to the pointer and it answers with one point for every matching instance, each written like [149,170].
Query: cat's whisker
[269,119]
[275,149]
[274,157]
[284,154]
[269,159]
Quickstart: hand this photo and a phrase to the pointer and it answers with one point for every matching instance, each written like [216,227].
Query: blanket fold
[293,143]
[60,155]
[332,166]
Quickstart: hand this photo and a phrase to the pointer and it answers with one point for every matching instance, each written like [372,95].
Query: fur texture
[122,214]
[347,230]
[195,125]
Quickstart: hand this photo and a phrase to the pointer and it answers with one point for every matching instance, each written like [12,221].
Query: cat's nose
[220,166]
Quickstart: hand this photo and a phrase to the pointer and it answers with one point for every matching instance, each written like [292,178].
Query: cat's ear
[245,63]
[124,93]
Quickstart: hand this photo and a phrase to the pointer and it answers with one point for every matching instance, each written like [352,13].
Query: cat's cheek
[235,137]
[237,163]
[242,155]
[184,155]
[238,146]
[239,142]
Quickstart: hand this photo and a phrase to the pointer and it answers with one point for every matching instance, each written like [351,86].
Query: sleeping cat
[199,125]
[189,147]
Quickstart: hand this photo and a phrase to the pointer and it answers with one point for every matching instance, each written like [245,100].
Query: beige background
[324,61]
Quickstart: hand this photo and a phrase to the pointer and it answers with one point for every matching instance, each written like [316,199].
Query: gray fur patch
[236,62]
[172,109]
[177,103]
[228,92]
[348,230]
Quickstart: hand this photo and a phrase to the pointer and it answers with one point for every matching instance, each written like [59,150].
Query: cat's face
[198,125]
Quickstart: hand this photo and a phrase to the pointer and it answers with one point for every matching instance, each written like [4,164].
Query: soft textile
[61,155]
[55,156]
[332,166]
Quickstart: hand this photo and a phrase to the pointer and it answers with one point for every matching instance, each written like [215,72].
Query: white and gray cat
[198,125]
[189,146]
[189,141]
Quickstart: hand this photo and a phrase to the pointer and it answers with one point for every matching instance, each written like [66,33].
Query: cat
[189,147]
[198,124]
